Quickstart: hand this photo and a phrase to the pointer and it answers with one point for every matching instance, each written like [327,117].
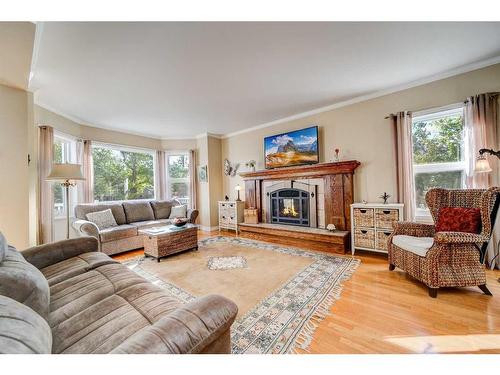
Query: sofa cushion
[24,283]
[161,209]
[138,211]
[81,210]
[22,331]
[459,219]
[416,245]
[97,311]
[103,219]
[178,211]
[117,233]
[151,223]
[74,266]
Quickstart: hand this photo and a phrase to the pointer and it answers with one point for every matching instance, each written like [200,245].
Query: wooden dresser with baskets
[372,224]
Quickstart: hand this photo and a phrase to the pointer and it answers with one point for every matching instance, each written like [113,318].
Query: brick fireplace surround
[332,186]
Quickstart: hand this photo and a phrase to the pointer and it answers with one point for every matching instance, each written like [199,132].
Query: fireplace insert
[290,206]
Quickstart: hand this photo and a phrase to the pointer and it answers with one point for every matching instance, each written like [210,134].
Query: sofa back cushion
[459,219]
[3,247]
[138,211]
[23,282]
[103,219]
[22,330]
[81,210]
[161,209]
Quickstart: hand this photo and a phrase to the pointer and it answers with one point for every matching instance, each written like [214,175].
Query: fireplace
[290,206]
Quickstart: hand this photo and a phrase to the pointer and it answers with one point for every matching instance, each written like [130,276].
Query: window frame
[68,156]
[424,215]
[170,180]
[118,147]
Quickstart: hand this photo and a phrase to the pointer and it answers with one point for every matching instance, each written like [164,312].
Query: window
[122,173]
[64,152]
[438,153]
[178,178]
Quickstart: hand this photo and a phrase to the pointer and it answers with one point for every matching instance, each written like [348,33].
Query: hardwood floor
[388,312]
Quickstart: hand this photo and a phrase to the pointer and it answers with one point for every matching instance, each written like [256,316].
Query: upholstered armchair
[445,259]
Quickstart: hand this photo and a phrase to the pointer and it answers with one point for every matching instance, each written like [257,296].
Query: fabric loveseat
[66,297]
[131,216]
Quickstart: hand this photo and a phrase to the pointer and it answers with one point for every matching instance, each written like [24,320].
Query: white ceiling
[175,80]
[16,47]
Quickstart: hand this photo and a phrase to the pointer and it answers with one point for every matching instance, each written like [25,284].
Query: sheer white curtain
[402,122]
[481,132]
[88,172]
[193,189]
[161,175]
[45,193]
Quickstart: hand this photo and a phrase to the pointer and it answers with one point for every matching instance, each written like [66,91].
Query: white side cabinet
[231,214]
[372,224]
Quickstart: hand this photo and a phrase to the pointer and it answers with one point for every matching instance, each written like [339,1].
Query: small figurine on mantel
[385,197]
[226,198]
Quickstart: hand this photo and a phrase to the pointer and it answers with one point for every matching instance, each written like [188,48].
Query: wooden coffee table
[162,241]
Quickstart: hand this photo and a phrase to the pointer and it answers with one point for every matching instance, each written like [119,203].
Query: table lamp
[68,174]
[238,189]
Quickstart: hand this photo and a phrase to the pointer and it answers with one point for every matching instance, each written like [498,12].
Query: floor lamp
[482,165]
[67,174]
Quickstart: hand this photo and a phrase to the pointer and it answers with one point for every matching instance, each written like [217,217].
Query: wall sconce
[482,165]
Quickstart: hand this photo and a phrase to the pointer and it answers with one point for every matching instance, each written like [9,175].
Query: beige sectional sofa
[130,216]
[66,297]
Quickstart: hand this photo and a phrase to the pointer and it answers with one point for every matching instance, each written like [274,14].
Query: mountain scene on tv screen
[294,148]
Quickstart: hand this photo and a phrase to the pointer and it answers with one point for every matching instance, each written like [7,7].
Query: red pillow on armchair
[458,219]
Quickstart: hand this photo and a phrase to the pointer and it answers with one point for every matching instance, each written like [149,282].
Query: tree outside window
[178,177]
[121,174]
[438,153]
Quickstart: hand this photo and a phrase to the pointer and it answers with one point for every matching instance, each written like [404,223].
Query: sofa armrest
[414,229]
[192,215]
[45,255]
[459,237]
[187,330]
[87,228]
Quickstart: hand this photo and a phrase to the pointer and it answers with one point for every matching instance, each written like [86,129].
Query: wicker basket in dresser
[372,224]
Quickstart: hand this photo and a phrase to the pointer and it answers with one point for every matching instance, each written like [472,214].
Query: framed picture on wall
[202,173]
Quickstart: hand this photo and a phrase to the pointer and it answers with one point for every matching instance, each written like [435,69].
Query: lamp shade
[482,165]
[63,172]
[237,188]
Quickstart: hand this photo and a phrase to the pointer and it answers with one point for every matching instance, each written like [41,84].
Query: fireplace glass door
[290,206]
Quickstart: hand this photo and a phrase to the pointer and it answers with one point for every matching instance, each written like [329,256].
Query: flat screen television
[293,148]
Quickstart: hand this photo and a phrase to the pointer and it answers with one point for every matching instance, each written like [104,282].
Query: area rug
[282,293]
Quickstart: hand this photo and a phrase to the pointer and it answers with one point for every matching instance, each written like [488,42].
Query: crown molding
[81,122]
[362,98]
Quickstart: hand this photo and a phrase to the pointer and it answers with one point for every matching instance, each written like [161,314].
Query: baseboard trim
[207,229]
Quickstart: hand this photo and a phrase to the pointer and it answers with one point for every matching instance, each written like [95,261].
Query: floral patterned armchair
[445,259]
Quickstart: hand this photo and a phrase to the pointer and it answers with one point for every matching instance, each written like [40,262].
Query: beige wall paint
[203,203]
[362,133]
[178,144]
[14,195]
[45,117]
[215,178]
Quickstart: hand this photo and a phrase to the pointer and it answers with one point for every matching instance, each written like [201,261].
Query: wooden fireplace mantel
[303,171]
[338,188]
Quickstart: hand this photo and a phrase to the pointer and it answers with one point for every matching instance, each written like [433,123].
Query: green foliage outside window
[120,175]
[437,141]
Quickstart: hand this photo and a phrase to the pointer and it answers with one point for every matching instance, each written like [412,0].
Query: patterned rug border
[304,332]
